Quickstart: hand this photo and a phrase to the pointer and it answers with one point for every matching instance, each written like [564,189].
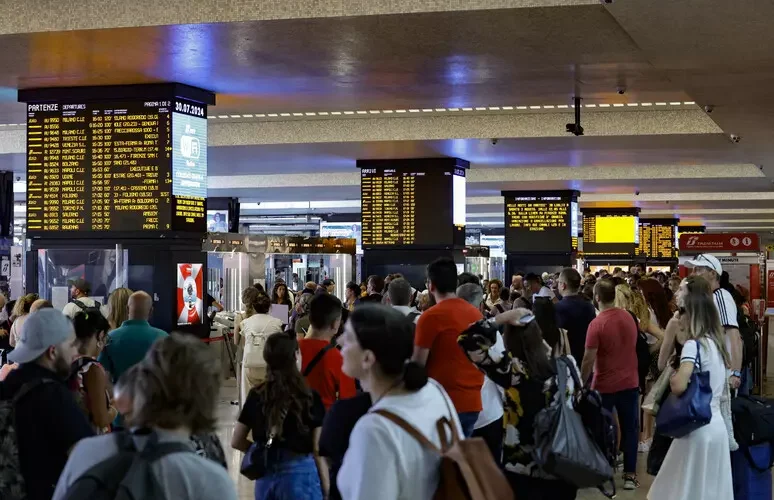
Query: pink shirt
[613,333]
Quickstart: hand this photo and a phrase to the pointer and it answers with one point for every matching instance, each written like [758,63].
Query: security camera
[18,178]
[709,108]
[636,192]
[735,138]
[495,141]
[621,90]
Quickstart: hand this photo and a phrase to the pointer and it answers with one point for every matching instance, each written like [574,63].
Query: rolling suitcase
[751,471]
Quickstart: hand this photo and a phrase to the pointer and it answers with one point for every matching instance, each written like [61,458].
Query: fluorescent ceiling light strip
[223,116]
[285,114]
[689,103]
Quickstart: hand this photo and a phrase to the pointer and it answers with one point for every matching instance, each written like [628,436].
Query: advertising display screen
[217,221]
[541,222]
[610,233]
[412,203]
[342,230]
[657,238]
[106,166]
[190,294]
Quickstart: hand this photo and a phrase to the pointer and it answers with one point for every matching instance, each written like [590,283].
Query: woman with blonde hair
[118,307]
[699,465]
[19,314]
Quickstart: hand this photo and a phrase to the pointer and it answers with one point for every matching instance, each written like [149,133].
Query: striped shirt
[726,308]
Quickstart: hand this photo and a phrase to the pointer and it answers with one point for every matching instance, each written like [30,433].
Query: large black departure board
[541,221]
[658,238]
[413,203]
[131,166]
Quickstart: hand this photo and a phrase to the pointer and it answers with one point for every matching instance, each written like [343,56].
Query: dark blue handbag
[681,415]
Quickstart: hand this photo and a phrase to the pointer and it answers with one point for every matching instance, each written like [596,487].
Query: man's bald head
[140,306]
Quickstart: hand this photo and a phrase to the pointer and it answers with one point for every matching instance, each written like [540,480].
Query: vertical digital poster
[190,294]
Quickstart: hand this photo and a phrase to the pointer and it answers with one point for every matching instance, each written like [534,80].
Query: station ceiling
[347,80]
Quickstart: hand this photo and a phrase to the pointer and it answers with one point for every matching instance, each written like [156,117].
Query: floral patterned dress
[525,396]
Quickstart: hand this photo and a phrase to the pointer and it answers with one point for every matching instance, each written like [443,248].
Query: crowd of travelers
[362,398]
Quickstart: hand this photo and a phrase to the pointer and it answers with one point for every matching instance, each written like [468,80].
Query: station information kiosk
[116,194]
[610,237]
[412,212]
[658,244]
[541,230]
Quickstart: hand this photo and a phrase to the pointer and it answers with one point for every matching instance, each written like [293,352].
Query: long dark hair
[656,298]
[89,323]
[389,334]
[276,299]
[285,388]
[545,315]
[526,344]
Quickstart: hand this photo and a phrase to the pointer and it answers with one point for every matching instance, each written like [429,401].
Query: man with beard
[48,420]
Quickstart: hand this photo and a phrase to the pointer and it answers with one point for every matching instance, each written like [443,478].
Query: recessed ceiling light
[534,107]
[494,108]
[507,108]
[273,115]
[604,105]
[618,105]
[563,106]
[361,112]
[646,104]
[675,103]
[589,105]
[521,107]
[480,108]
[689,103]
[284,114]
[440,110]
[310,114]
[222,116]
[400,110]
[660,104]
[467,109]
[247,116]
[374,111]
[549,106]
[632,104]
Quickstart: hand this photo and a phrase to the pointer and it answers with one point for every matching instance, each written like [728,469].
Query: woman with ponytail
[383,461]
[284,406]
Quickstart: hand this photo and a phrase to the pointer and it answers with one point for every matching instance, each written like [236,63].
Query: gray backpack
[12,485]
[128,474]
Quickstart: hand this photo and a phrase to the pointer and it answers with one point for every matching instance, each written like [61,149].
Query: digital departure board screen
[116,166]
[413,203]
[541,222]
[657,238]
[610,233]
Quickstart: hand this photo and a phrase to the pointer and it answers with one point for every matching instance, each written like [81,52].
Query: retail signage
[726,242]
[746,259]
[190,296]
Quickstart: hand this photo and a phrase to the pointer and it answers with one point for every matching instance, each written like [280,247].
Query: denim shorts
[290,479]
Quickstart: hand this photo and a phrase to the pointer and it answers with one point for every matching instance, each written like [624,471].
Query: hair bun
[414,376]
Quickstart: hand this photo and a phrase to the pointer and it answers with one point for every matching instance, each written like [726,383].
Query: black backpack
[750,338]
[12,486]
[126,475]
[643,353]
[753,424]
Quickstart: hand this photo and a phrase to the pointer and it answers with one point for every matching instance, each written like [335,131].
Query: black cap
[328,282]
[532,277]
[81,284]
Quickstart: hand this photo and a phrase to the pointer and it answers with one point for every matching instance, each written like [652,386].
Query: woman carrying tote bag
[698,465]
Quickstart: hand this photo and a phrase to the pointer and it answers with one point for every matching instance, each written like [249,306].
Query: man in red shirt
[320,360]
[435,343]
[611,352]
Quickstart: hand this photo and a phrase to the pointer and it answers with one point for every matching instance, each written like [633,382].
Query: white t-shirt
[491,393]
[726,308]
[71,309]
[384,462]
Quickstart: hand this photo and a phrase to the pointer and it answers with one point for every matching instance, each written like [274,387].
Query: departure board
[610,233]
[657,239]
[541,221]
[412,203]
[129,166]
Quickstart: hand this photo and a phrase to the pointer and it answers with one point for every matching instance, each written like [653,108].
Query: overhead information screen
[657,238]
[545,222]
[134,166]
[413,203]
[610,232]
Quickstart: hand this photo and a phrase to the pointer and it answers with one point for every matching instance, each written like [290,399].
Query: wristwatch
[736,374]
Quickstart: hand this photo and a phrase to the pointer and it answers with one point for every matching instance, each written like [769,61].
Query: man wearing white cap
[708,266]
[48,420]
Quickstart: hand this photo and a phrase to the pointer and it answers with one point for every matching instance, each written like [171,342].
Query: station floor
[227,414]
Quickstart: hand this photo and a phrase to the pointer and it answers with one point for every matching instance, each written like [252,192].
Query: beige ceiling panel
[62,15]
[602,123]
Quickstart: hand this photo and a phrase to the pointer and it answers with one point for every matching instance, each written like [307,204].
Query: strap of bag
[80,304]
[316,359]
[410,429]
[443,422]
[27,388]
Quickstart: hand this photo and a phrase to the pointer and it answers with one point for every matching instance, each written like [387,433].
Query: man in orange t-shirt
[325,376]
[435,343]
